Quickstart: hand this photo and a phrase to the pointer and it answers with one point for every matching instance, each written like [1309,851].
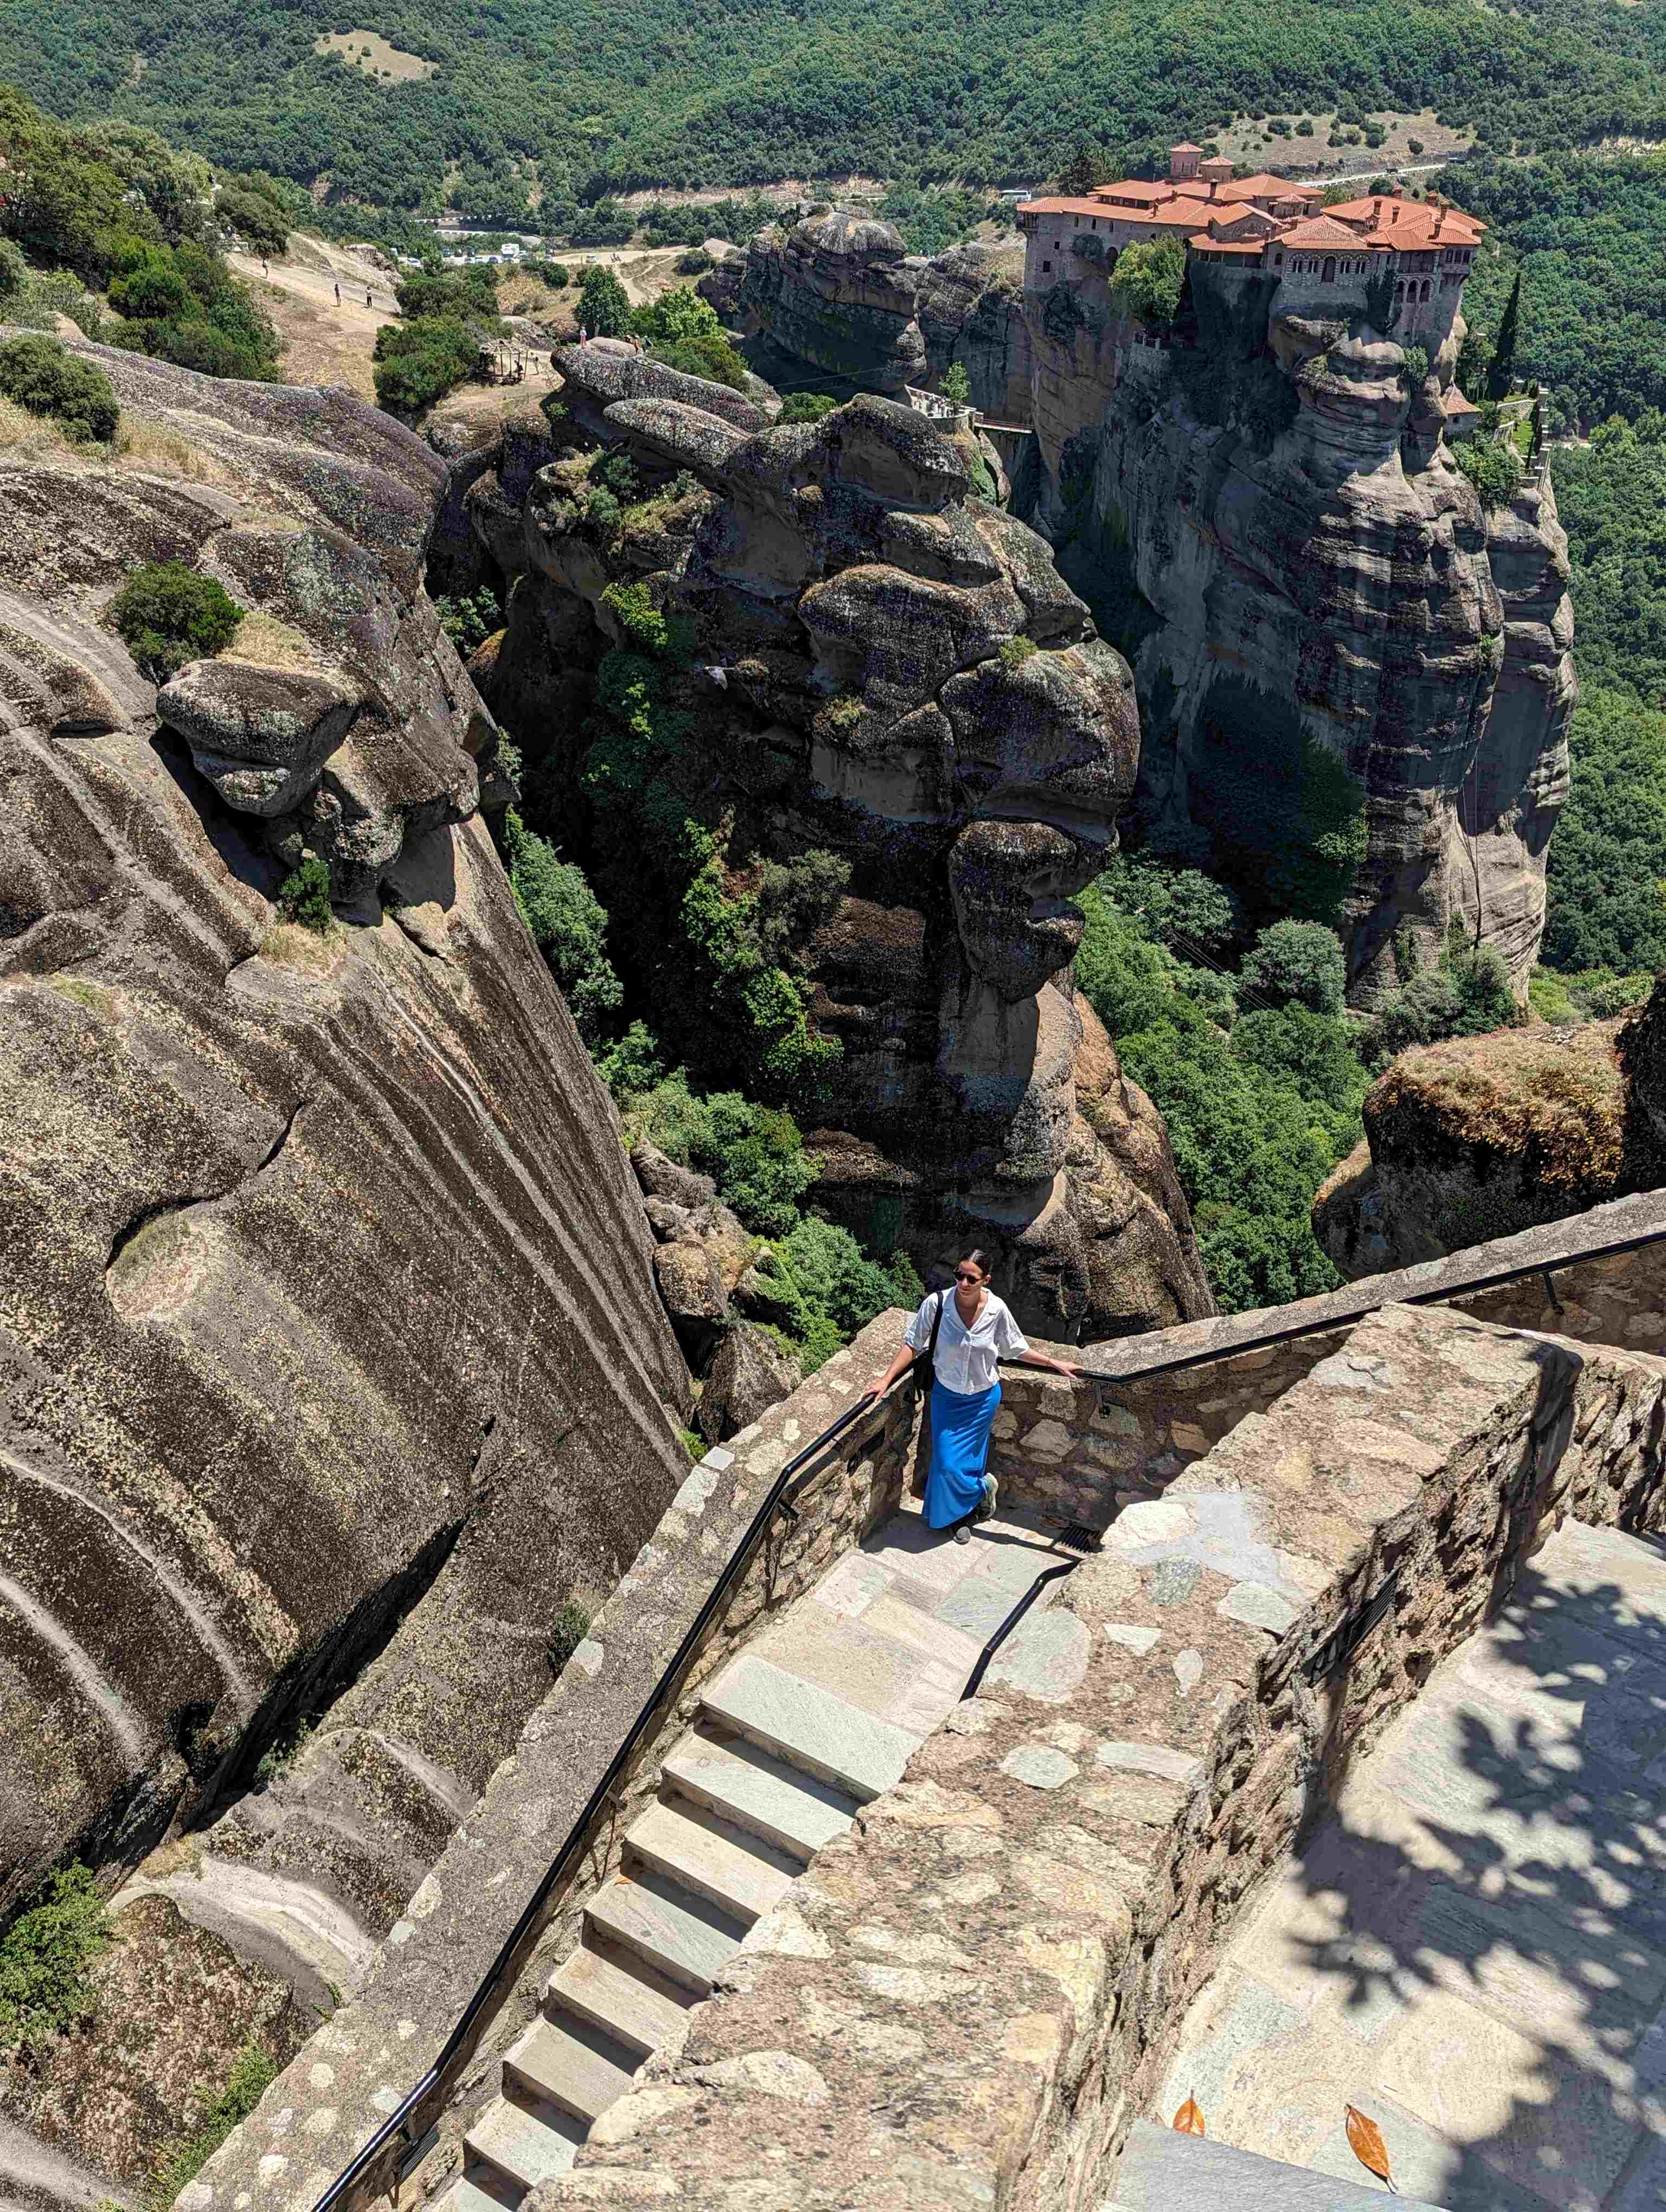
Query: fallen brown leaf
[1189,2121]
[1365,2142]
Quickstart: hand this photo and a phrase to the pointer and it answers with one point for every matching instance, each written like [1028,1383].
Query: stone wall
[1083,1451]
[968,2001]
[363,2062]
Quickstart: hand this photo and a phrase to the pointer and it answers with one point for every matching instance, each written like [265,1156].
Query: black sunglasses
[967,1275]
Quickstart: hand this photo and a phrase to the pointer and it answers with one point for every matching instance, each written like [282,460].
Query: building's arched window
[1427,287]
[1327,275]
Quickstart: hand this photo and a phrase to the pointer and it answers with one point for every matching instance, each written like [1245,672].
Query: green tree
[957,385]
[1300,964]
[46,1957]
[567,924]
[807,406]
[166,614]
[303,896]
[1148,279]
[39,375]
[1607,857]
[602,307]
[684,333]
[1502,368]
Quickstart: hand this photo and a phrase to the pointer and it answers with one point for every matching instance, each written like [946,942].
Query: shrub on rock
[38,374]
[304,897]
[166,615]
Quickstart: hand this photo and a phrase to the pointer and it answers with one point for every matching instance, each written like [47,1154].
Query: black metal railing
[397,2126]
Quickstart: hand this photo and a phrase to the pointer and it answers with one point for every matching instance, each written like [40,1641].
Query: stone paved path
[1473,1950]
[816,1717]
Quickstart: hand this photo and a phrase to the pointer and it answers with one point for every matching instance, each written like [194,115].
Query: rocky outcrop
[970,303]
[1298,562]
[839,302]
[715,1279]
[1481,1137]
[892,672]
[835,293]
[329,1348]
[171,2009]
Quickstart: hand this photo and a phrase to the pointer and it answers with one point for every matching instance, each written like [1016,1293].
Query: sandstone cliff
[329,1349]
[1481,1137]
[890,671]
[836,294]
[1283,540]
[837,302]
[970,303]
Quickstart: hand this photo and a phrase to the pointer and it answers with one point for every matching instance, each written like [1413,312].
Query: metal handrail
[397,2122]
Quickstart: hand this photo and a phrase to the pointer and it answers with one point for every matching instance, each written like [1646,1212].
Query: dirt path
[324,343]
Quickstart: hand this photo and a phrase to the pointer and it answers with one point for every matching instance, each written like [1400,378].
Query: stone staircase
[773,1768]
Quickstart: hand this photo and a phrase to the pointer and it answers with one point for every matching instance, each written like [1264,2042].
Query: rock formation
[837,295]
[1294,558]
[329,1349]
[892,672]
[1481,1137]
[838,302]
[970,303]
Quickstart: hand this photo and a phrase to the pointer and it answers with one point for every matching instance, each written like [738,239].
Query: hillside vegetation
[729,93]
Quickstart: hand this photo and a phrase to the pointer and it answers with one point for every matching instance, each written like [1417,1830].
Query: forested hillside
[732,91]
[1587,235]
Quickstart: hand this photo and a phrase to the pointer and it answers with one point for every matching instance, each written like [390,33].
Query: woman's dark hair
[975,1258]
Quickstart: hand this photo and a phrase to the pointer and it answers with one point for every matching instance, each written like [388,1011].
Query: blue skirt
[960,1445]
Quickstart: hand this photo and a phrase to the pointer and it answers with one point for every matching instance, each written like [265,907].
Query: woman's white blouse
[966,1356]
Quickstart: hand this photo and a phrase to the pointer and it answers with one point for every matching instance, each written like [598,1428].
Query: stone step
[571,2064]
[637,2007]
[742,1874]
[523,2143]
[808,1727]
[677,1932]
[1162,2171]
[740,1782]
[466,2193]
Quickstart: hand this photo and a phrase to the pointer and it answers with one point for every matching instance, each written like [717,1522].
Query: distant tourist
[338,295]
[584,335]
[964,1332]
[367,299]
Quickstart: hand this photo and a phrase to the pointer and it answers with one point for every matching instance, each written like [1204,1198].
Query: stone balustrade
[1083,1452]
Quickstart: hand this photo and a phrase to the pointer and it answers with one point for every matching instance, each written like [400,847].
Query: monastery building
[1324,259]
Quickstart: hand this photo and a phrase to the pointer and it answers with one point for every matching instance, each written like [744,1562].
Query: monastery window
[1426,287]
[1328,276]
[1047,269]
[1278,260]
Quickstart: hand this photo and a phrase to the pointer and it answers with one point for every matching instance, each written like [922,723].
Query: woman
[974,1329]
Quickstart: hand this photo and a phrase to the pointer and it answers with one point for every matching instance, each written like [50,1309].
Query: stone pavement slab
[1471,1949]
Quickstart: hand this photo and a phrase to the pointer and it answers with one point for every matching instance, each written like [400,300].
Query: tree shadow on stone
[1471,1946]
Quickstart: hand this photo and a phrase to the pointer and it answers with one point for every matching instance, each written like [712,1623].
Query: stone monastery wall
[1083,1451]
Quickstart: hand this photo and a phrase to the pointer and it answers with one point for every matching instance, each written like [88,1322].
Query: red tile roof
[1065,207]
[1455,403]
[1411,221]
[1316,230]
[1204,244]
[1265,186]
[1185,147]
